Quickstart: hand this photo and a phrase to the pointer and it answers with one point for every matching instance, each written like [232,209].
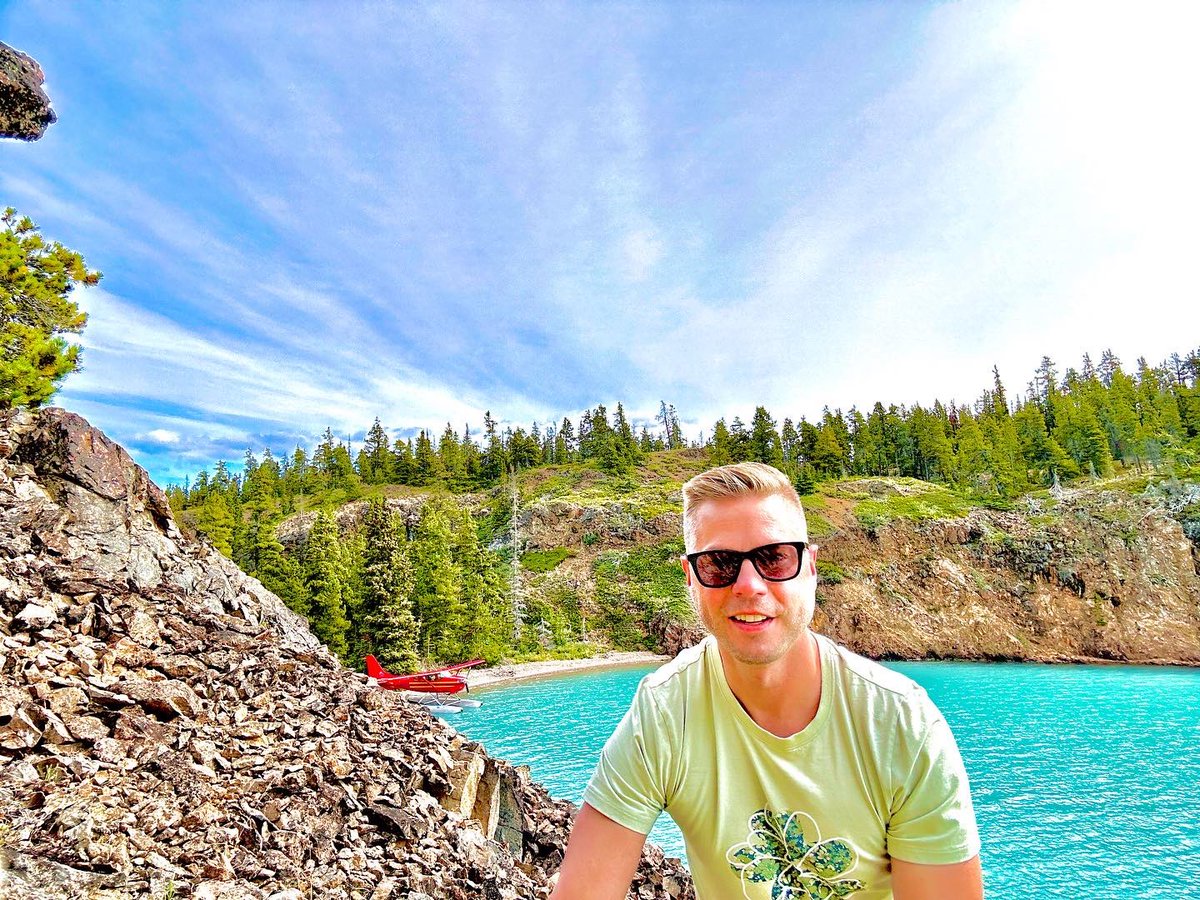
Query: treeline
[1079,423]
[432,591]
[453,461]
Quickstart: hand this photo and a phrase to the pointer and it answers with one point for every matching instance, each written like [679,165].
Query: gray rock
[25,111]
[34,616]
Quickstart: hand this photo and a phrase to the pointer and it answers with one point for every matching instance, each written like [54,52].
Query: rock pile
[168,729]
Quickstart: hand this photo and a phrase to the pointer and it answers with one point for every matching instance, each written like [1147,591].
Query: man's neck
[781,697]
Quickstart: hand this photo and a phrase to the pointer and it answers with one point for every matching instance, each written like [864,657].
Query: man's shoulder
[683,673]
[859,674]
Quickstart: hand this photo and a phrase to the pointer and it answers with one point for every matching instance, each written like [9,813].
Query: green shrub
[544,560]
[818,525]
[633,587]
[831,572]
[927,503]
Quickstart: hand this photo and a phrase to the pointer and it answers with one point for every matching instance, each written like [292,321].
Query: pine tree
[324,579]
[789,444]
[472,460]
[323,459]
[675,441]
[739,440]
[450,453]
[486,616]
[36,310]
[1041,452]
[808,441]
[932,455]
[829,457]
[626,441]
[426,462]
[765,444]
[377,454]
[1079,434]
[1109,364]
[391,631]
[404,467]
[1004,454]
[999,398]
[970,458]
[279,573]
[565,442]
[720,451]
[213,519]
[495,459]
[437,583]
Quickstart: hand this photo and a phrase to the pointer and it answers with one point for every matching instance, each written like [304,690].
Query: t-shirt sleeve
[628,784]
[933,821]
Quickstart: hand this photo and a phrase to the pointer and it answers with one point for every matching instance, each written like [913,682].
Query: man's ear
[687,570]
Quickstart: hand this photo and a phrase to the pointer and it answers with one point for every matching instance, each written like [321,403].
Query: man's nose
[748,580]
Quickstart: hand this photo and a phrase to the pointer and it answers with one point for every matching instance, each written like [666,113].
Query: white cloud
[484,211]
[642,251]
[163,436]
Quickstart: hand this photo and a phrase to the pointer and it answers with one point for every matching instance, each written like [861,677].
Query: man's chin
[762,647]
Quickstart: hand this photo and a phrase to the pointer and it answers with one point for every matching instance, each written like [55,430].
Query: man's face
[755,621]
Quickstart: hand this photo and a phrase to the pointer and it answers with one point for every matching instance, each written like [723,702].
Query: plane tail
[374,669]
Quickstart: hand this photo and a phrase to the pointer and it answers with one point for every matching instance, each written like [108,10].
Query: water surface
[1086,779]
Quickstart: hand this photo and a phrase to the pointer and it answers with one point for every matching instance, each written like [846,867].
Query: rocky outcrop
[25,111]
[169,729]
[293,531]
[546,524]
[1091,575]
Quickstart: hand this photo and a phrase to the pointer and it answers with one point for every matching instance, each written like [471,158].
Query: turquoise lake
[1086,779]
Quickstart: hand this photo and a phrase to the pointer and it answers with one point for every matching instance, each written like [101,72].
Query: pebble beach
[542,668]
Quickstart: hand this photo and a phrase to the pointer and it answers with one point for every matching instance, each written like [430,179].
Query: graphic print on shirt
[785,850]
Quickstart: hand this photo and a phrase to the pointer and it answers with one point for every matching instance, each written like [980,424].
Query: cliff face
[1091,575]
[1086,574]
[169,729]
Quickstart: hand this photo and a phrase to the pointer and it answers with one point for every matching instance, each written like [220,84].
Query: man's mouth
[749,618]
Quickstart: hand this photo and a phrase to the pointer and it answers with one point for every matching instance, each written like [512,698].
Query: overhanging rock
[25,111]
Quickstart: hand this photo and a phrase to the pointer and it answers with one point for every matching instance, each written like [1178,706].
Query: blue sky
[312,214]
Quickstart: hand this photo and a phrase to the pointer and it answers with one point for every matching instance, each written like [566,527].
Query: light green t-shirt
[876,774]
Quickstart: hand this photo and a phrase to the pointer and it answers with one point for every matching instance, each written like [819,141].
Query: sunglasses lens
[777,562]
[718,568]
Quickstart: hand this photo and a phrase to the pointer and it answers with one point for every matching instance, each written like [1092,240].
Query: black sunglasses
[774,562]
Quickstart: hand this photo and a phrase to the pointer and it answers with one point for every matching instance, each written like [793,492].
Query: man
[794,768]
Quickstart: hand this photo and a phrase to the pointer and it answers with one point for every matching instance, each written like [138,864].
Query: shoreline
[514,672]
[508,674]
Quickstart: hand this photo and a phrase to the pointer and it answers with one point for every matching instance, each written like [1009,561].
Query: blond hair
[737,480]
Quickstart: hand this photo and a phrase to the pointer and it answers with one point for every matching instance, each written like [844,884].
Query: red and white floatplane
[433,689]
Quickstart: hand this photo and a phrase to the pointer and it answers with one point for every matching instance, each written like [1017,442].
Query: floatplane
[431,689]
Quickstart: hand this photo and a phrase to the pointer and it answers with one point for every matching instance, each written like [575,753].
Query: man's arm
[957,881]
[601,859]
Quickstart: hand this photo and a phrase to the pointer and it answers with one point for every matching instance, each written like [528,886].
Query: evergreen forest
[441,586]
